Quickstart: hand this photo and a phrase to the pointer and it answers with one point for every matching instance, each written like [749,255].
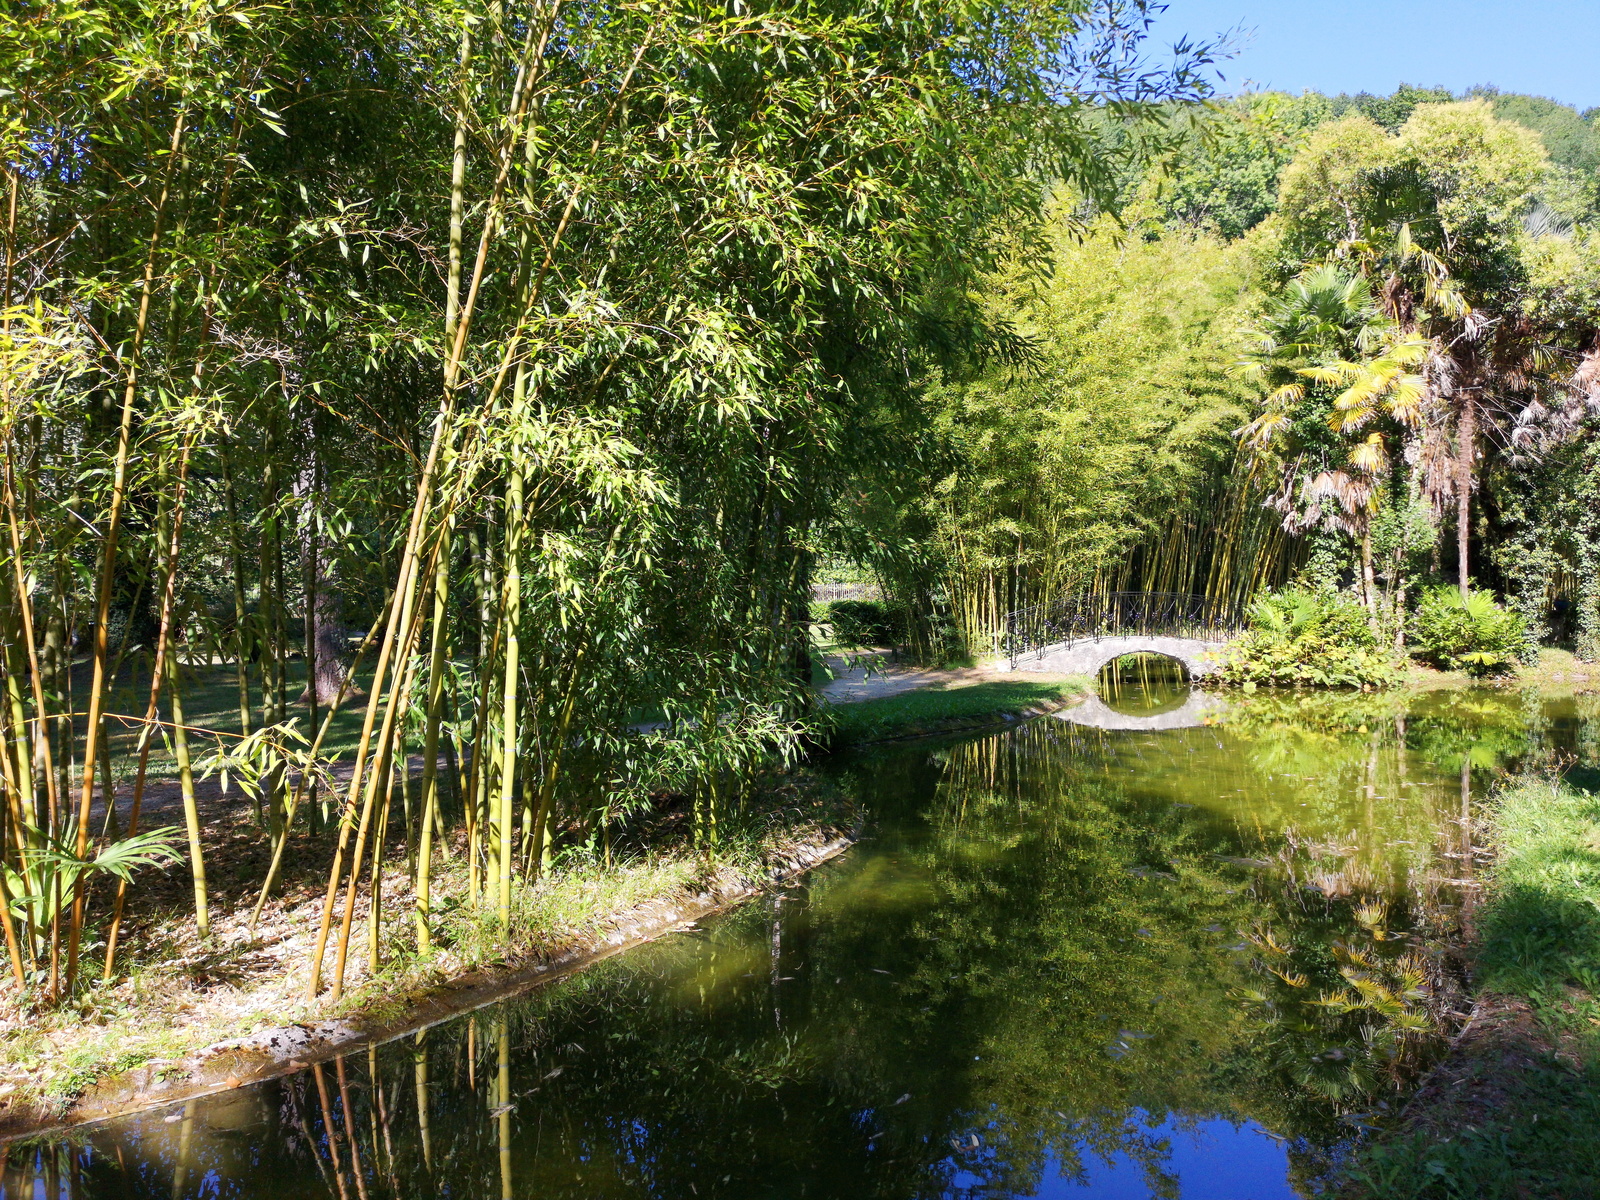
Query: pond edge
[274,1053]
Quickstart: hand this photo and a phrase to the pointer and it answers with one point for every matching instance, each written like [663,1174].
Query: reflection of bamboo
[305,1130]
[504,1103]
[374,1072]
[180,1170]
[356,1168]
[1468,892]
[774,969]
[328,1130]
[419,1061]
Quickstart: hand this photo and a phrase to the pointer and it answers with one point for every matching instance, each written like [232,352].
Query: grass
[1541,931]
[211,703]
[178,995]
[1518,1113]
[933,711]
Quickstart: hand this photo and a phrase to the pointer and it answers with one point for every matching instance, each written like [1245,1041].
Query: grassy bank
[180,996]
[1514,1111]
[925,711]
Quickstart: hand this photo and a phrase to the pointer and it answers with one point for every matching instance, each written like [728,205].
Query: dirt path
[871,675]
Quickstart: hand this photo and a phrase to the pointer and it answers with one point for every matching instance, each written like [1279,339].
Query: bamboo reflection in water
[419,1061]
[381,1117]
[503,1105]
[328,1133]
[37,1176]
[352,1138]
[297,1110]
[1140,678]
[180,1170]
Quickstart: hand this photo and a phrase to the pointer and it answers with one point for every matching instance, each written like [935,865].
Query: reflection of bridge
[1080,635]
[1095,713]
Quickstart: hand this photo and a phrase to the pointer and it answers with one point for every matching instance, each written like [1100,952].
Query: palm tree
[1327,329]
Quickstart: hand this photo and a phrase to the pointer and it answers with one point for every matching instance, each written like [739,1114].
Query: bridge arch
[1199,656]
[1080,634]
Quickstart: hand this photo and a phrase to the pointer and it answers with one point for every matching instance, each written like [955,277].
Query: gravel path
[871,675]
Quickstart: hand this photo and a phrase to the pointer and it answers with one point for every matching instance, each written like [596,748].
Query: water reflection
[1070,961]
[1174,709]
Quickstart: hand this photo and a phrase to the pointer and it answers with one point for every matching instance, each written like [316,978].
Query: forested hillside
[1348,341]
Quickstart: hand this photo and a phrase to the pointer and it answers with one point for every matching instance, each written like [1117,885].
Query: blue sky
[1547,47]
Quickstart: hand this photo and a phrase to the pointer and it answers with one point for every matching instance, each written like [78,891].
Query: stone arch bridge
[1080,635]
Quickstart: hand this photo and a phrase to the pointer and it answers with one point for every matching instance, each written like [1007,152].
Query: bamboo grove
[487,371]
[1345,341]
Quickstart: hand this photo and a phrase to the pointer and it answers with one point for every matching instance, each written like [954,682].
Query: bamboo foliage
[537,339]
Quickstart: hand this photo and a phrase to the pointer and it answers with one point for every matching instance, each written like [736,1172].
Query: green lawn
[1520,1118]
[211,707]
[930,711]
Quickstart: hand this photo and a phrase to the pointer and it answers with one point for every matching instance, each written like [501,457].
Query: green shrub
[1587,647]
[864,623]
[1476,635]
[1300,638]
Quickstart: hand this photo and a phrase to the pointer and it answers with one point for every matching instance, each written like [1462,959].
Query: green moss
[930,711]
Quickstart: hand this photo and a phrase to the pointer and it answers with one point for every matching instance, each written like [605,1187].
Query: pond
[1067,961]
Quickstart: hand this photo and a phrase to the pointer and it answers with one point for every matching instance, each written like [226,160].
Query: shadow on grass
[907,714]
[1537,941]
[1539,1139]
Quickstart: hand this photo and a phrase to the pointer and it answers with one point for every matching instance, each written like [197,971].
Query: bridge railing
[1098,615]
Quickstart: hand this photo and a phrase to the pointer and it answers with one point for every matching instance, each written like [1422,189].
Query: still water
[1069,961]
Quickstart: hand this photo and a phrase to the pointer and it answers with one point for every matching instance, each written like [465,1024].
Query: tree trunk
[328,638]
[1369,581]
[1467,437]
[326,641]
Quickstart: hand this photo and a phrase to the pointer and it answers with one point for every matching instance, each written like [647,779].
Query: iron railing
[1097,615]
[821,593]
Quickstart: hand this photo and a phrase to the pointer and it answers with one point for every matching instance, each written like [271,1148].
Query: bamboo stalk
[241,662]
[146,735]
[311,758]
[108,558]
[511,606]
[347,816]
[430,744]
[7,818]
[382,755]
[191,811]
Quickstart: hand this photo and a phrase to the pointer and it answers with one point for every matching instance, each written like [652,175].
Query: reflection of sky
[1211,1160]
[1215,1161]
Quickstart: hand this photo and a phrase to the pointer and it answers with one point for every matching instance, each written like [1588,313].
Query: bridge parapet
[1048,629]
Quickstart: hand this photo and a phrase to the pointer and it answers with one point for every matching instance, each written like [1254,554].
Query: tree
[538,339]
[1225,178]
[1057,466]
[1434,215]
[1332,367]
